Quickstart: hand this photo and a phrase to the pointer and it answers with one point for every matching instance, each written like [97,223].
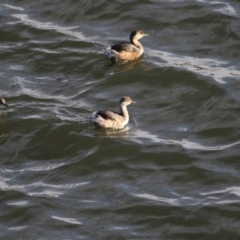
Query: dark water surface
[173,174]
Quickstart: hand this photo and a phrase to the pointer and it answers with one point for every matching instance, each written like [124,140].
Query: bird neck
[124,111]
[135,42]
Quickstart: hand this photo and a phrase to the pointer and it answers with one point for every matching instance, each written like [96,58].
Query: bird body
[112,119]
[127,51]
[3,102]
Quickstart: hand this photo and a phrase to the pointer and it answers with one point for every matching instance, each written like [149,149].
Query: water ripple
[173,173]
[67,220]
[51,26]
[207,67]
[140,136]
[211,200]
[14,7]
[159,199]
[50,190]
[230,190]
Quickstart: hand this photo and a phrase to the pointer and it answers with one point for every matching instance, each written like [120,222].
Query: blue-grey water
[173,173]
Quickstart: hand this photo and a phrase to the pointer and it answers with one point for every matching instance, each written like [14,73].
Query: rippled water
[174,173]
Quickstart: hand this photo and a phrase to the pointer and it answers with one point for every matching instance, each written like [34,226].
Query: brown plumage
[112,119]
[127,51]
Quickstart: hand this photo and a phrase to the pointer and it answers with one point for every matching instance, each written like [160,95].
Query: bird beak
[133,102]
[145,35]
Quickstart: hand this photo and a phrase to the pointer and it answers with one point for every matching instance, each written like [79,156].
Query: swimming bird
[127,51]
[3,102]
[112,119]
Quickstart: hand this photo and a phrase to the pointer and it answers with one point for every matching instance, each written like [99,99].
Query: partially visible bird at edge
[3,102]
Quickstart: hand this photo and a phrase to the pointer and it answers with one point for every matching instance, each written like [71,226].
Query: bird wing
[124,46]
[108,114]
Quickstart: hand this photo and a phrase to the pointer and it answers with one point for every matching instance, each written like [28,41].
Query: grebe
[112,119]
[3,102]
[127,51]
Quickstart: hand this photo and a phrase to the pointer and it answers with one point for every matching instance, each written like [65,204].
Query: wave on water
[51,190]
[140,136]
[186,201]
[207,67]
[24,18]
[67,220]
